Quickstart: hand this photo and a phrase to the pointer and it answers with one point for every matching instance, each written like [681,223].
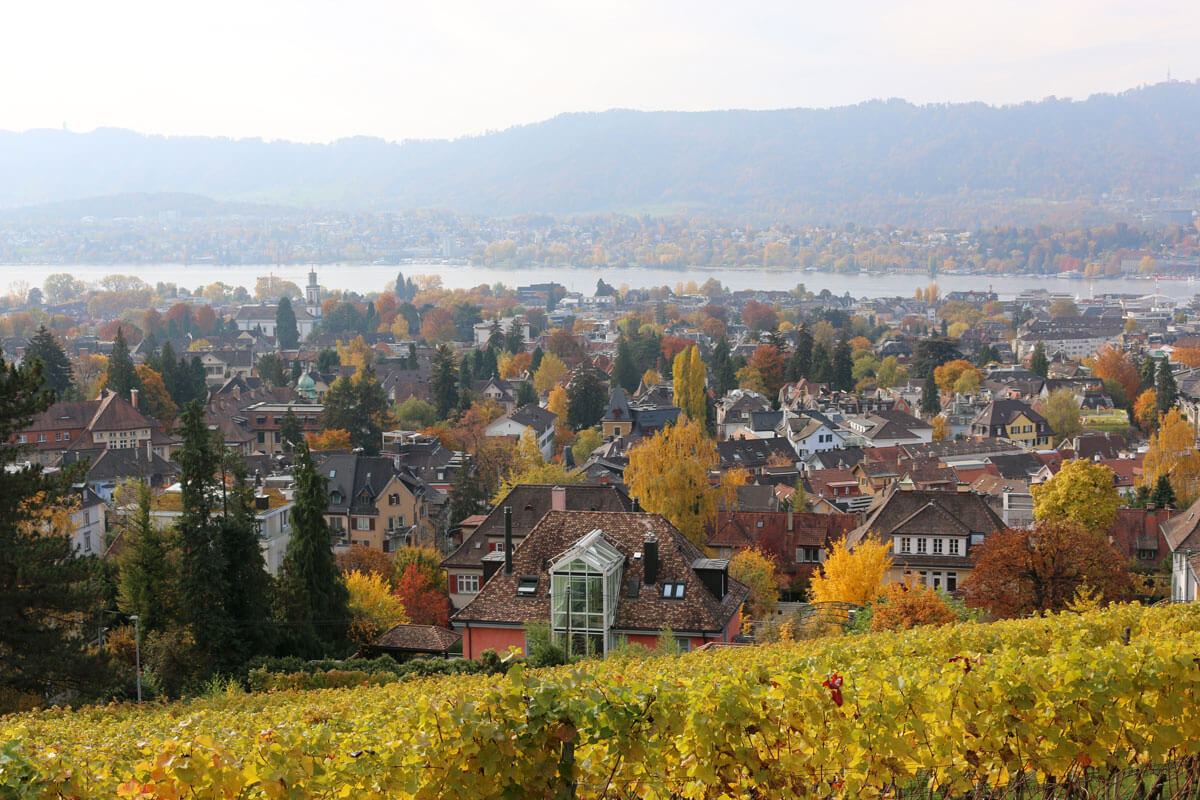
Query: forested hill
[876,162]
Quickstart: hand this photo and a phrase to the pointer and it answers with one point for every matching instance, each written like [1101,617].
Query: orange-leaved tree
[1021,572]
[1172,452]
[1145,410]
[332,439]
[423,602]
[905,605]
[852,576]
[1114,365]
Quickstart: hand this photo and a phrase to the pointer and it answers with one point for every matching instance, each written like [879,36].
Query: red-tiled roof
[416,639]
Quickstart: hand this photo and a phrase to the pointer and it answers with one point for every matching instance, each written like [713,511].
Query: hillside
[872,163]
[1010,709]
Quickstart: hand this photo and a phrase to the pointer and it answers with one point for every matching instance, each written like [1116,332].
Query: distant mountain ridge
[864,163]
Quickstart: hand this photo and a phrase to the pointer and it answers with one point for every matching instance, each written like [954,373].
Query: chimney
[508,545]
[637,507]
[261,502]
[133,397]
[650,561]
[558,498]
[791,522]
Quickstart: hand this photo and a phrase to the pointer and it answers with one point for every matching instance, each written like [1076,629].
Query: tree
[1165,391]
[987,355]
[558,405]
[768,362]
[365,559]
[690,386]
[147,578]
[757,570]
[549,373]
[1063,307]
[759,317]
[42,582]
[1172,452]
[890,373]
[331,439]
[625,371]
[948,375]
[311,598]
[843,367]
[443,381]
[1021,572]
[1163,495]
[415,414]
[668,474]
[1147,374]
[270,369]
[155,400]
[941,428]
[931,401]
[247,598]
[291,432]
[424,602]
[852,576]
[437,327]
[530,467]
[931,353]
[327,359]
[1061,411]
[903,606]
[56,367]
[1082,491]
[1038,363]
[360,406]
[287,335]
[373,608]
[586,399]
[587,441]
[1114,365]
[121,376]
[801,359]
[1145,410]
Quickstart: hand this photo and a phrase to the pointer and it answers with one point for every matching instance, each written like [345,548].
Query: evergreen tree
[724,376]
[987,354]
[468,495]
[535,359]
[514,340]
[412,357]
[311,597]
[147,578]
[359,406]
[586,400]
[1148,374]
[121,376]
[42,582]
[202,567]
[443,381]
[1165,390]
[625,371]
[495,336]
[247,584]
[1163,495]
[821,370]
[489,364]
[287,335]
[1038,363]
[526,394]
[843,366]
[290,430]
[931,402]
[327,359]
[800,362]
[56,367]
[931,353]
[197,380]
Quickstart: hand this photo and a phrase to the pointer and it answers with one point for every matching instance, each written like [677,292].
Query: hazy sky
[316,71]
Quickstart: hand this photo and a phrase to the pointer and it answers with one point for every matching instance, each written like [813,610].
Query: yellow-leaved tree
[529,466]
[1173,453]
[690,376]
[557,404]
[852,576]
[1083,491]
[757,570]
[668,474]
[373,607]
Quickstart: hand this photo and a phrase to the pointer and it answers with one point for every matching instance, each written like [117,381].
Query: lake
[374,278]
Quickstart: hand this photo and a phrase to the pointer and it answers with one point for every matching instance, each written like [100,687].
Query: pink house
[600,579]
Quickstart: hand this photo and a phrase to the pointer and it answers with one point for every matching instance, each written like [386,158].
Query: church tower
[312,296]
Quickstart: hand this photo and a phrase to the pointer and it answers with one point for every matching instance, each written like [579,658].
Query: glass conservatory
[585,586]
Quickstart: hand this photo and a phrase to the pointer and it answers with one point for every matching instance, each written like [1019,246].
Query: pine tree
[147,578]
[1165,390]
[412,362]
[586,400]
[202,567]
[311,597]
[290,430]
[56,367]
[121,377]
[535,360]
[1148,373]
[821,370]
[843,367]
[1038,363]
[358,405]
[42,581]
[526,394]
[514,340]
[443,381]
[800,361]
[468,495]
[1163,495]
[931,402]
[625,371]
[247,584]
[287,335]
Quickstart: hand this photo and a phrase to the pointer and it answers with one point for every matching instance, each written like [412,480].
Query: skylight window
[672,590]
[527,586]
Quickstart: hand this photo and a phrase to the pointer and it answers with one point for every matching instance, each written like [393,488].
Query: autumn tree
[1063,307]
[1172,452]
[1112,364]
[852,576]
[1082,491]
[1021,572]
[905,605]
[690,382]
[941,428]
[551,372]
[949,375]
[424,602]
[1062,412]
[331,439]
[530,466]
[759,571]
[359,405]
[759,317]
[437,327]
[372,605]
[890,373]
[767,361]
[154,399]
[365,559]
[1145,411]
[668,473]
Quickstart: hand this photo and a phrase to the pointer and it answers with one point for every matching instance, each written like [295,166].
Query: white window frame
[466,584]
[362,523]
[921,545]
[905,544]
[937,547]
[953,548]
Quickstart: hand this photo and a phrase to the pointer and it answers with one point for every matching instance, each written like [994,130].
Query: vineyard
[1085,705]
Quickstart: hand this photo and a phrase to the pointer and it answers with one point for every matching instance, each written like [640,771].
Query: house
[374,505]
[810,433]
[755,455]
[649,413]
[528,503]
[887,429]
[1138,535]
[108,423]
[600,579]
[498,391]
[109,468]
[799,542]
[733,410]
[263,418]
[1013,420]
[932,534]
[1182,535]
[262,318]
[87,522]
[530,417]
[405,642]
